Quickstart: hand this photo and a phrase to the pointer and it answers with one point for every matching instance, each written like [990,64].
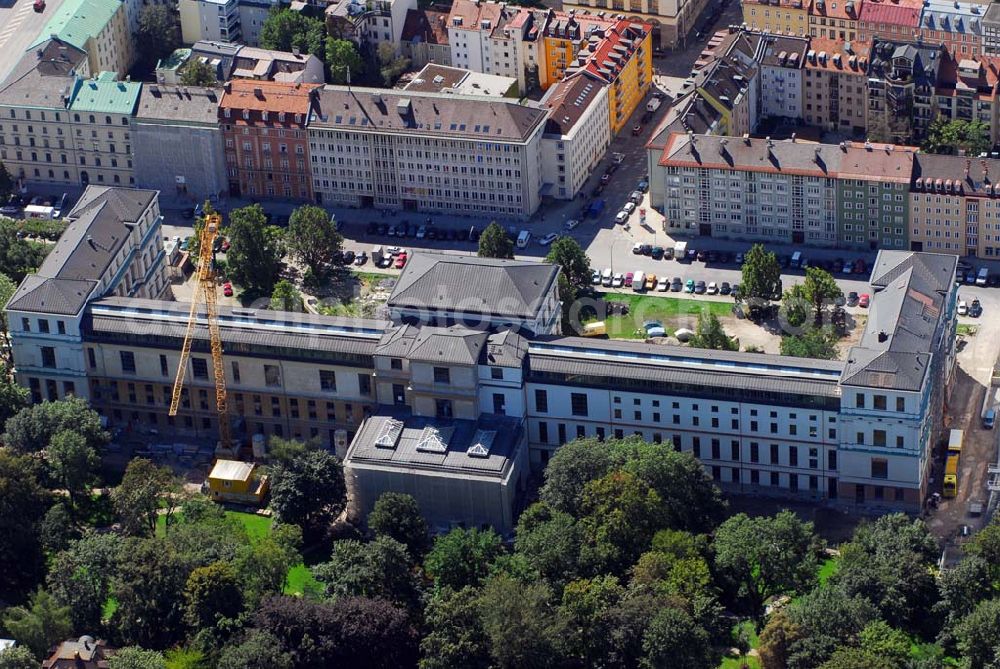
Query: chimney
[258,93]
[883,337]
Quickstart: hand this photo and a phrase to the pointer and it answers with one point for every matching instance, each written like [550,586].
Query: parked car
[701,256]
[975,308]
[970,278]
[725,288]
[548,239]
[618,280]
[571,224]
[606,278]
[38,5]
[650,281]
[849,267]
[361,259]
[185,244]
[11,210]
[635,197]
[400,261]
[643,186]
[712,257]
[676,285]
[628,279]
[637,249]
[629,207]
[656,253]
[227,289]
[646,250]
[595,278]
[712,289]
[348,257]
[739,258]
[963,308]
[699,287]
[852,298]
[662,285]
[621,217]
[689,286]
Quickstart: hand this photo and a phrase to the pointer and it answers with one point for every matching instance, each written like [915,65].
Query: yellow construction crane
[205,289]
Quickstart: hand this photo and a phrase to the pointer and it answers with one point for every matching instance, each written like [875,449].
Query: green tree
[57,528]
[6,182]
[858,658]
[286,450]
[80,576]
[7,290]
[711,334]
[212,595]
[255,251]
[795,305]
[313,239]
[159,33]
[455,637]
[620,514]
[776,639]
[23,502]
[572,260]
[257,650]
[585,606]
[462,557]
[570,468]
[149,588]
[13,397]
[495,243]
[813,343]
[820,289]
[391,64]
[397,516]
[761,278]
[882,640]
[523,627]
[40,624]
[18,256]
[286,297]
[198,73]
[134,657]
[379,569]
[550,542]
[73,463]
[287,30]
[951,136]
[674,639]
[343,61]
[979,635]
[962,588]
[32,428]
[137,498]
[827,619]
[308,491]
[17,657]
[986,544]
[765,556]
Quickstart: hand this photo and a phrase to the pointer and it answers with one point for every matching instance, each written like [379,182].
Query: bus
[955,442]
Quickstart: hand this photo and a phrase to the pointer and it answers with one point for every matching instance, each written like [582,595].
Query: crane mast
[205,290]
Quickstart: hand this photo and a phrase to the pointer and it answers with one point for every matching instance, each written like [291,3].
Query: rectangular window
[754,452]
[878,402]
[328,380]
[236,371]
[774,454]
[541,400]
[443,408]
[91,358]
[272,376]
[61,327]
[878,437]
[734,451]
[395,363]
[880,468]
[48,356]
[496,373]
[364,384]
[900,404]
[43,325]
[581,432]
[398,394]
[793,456]
[164,371]
[831,460]
[442,375]
[899,441]
[128,361]
[775,479]
[26,325]
[499,404]
[543,432]
[562,433]
[578,403]
[199,368]
[859,400]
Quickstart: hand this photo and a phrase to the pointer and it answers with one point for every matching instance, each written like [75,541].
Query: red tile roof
[425,25]
[903,13]
[271,96]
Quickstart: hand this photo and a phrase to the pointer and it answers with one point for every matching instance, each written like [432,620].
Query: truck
[984,275]
[39,211]
[653,105]
[680,251]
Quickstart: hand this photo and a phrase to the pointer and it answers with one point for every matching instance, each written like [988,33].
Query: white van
[523,239]
[38,211]
[797,259]
[606,277]
[984,274]
[638,282]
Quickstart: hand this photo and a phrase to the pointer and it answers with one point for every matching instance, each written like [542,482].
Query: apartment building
[577,134]
[991,30]
[901,81]
[787,17]
[426,152]
[370,23]
[835,19]
[425,37]
[112,246]
[264,134]
[670,21]
[185,119]
[890,20]
[781,60]
[623,60]
[857,431]
[955,205]
[873,193]
[834,85]
[562,37]
[223,20]
[100,28]
[62,128]
[490,37]
[957,25]
[967,90]
[433,78]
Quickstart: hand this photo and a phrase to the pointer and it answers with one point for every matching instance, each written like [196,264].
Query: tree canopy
[761,278]
[813,343]
[198,73]
[313,239]
[286,297]
[495,243]
[950,136]
[159,33]
[711,334]
[288,30]
[308,491]
[343,62]
[254,258]
[572,260]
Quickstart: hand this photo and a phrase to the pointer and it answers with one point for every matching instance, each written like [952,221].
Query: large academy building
[454,400]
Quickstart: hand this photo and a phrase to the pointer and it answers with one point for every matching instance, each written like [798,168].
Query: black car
[712,256]
[852,298]
[646,249]
[993,280]
[11,210]
[699,287]
[656,253]
[473,234]
[725,288]
[725,257]
[975,309]
[347,257]
[676,285]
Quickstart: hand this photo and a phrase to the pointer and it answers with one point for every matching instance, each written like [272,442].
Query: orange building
[264,129]
[563,35]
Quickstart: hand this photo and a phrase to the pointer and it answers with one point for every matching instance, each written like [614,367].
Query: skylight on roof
[434,440]
[389,435]
[482,441]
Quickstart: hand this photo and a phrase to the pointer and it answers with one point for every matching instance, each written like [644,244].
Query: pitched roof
[568,101]
[452,345]
[437,281]
[505,349]
[440,114]
[836,9]
[753,155]
[50,295]
[891,13]
[270,96]
[877,162]
[189,104]
[76,21]
[968,176]
[910,301]
[425,26]
[232,470]
[43,78]
[783,51]
[105,94]
[607,57]
[850,62]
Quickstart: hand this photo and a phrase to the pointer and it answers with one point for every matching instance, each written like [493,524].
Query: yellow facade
[235,481]
[557,55]
[788,17]
[628,90]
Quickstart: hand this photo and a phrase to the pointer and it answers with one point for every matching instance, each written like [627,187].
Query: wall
[195,154]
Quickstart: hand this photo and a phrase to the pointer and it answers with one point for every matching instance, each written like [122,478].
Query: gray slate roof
[505,349]
[453,345]
[51,296]
[897,346]
[43,76]
[441,114]
[192,104]
[440,281]
[457,437]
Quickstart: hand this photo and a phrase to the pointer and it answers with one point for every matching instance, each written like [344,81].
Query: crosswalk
[10,27]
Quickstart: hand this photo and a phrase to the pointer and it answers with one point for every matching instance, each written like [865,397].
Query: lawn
[300,581]
[966,330]
[735,662]
[826,570]
[673,312]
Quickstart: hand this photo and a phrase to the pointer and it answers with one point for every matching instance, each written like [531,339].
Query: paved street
[19,26]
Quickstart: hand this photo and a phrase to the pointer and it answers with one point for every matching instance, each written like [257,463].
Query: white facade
[569,159]
[781,91]
[223,20]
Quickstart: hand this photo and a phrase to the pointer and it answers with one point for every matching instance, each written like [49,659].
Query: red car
[628,279]
[400,261]
[864,299]
[39,5]
[227,289]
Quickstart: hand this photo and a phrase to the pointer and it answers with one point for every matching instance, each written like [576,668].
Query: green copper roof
[105,94]
[78,20]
